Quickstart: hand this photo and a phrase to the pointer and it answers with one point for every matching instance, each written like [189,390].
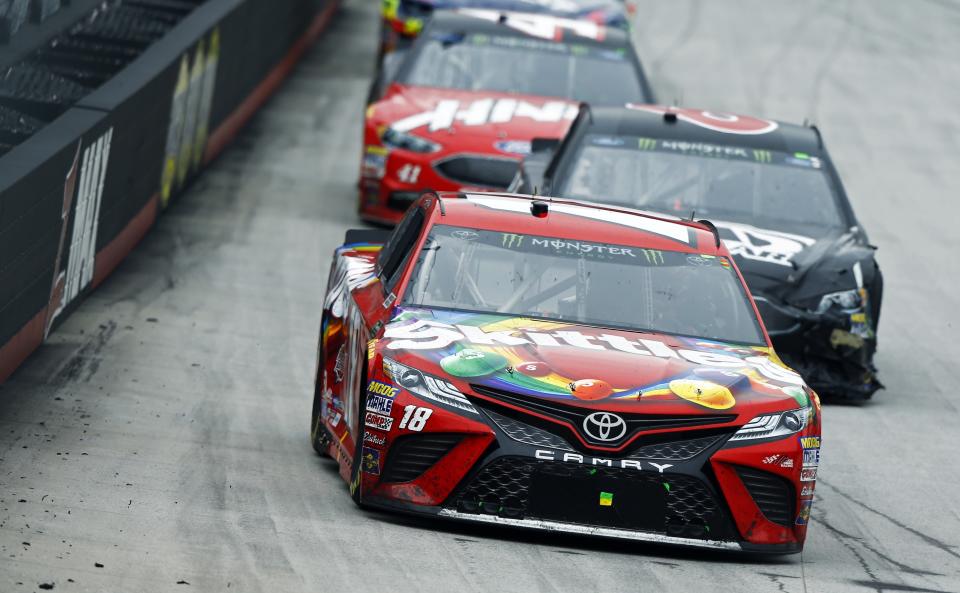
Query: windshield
[583,282]
[520,65]
[768,189]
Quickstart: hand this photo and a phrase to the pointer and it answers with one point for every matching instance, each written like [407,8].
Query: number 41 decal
[409,173]
[415,418]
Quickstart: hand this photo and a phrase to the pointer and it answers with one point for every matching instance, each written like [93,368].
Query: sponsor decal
[806,491]
[726,123]
[549,455]
[88,184]
[188,129]
[370,461]
[705,149]
[604,426]
[338,365]
[481,112]
[465,235]
[772,247]
[428,334]
[808,474]
[804,516]
[379,388]
[379,404]
[811,457]
[374,163]
[373,438]
[378,421]
[786,463]
[415,417]
[810,442]
[782,460]
[335,421]
[606,499]
[513,146]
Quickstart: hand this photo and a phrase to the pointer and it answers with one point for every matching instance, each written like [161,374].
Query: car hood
[453,116]
[592,367]
[793,267]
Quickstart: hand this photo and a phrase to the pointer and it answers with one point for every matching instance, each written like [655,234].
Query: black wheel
[355,471]
[319,437]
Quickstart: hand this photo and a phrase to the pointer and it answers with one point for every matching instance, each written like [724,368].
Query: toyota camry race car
[775,196]
[404,19]
[461,108]
[562,366]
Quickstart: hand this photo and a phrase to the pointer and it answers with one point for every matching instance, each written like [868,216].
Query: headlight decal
[770,426]
[426,386]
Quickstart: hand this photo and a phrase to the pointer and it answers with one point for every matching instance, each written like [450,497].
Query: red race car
[559,365]
[465,103]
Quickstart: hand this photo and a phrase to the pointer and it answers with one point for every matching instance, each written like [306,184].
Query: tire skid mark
[689,27]
[87,357]
[775,579]
[928,539]
[883,587]
[829,60]
[857,547]
[775,64]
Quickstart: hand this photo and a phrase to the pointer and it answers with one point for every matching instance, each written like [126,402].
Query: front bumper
[685,491]
[833,351]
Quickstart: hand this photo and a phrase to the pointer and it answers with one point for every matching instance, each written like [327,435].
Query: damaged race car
[777,200]
[403,20]
[563,366]
[460,109]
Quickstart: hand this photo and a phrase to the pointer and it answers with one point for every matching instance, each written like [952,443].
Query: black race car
[775,196]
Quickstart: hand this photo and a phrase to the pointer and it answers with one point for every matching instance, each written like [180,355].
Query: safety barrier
[77,195]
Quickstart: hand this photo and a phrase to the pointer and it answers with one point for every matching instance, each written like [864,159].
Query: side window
[397,250]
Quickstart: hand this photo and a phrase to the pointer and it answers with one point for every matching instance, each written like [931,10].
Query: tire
[355,473]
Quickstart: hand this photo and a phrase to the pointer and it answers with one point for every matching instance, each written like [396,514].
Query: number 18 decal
[415,418]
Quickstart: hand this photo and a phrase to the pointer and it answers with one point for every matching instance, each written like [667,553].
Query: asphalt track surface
[162,430]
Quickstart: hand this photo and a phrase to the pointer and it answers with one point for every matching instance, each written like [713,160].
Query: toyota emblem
[604,426]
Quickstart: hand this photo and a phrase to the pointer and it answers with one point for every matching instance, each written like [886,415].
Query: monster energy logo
[647,143]
[762,156]
[654,256]
[510,240]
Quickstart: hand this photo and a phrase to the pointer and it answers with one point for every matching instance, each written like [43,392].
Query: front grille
[676,450]
[476,170]
[524,433]
[523,488]
[773,494]
[570,418]
[412,455]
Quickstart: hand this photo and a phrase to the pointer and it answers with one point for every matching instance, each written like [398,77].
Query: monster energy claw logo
[511,240]
[654,256]
[647,143]
[762,156]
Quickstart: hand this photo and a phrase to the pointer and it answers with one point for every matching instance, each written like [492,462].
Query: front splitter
[594,531]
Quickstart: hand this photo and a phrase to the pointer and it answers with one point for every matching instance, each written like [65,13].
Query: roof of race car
[695,125]
[528,25]
[575,220]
